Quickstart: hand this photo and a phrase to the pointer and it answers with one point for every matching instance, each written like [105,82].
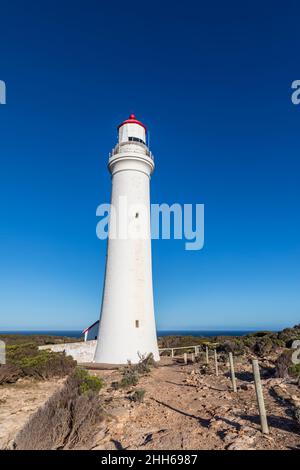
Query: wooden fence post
[185,358]
[193,357]
[260,398]
[206,351]
[216,363]
[232,372]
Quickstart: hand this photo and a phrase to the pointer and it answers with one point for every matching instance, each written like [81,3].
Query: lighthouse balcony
[131,146]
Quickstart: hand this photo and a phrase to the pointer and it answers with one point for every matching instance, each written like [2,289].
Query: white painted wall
[128,292]
[91,333]
[81,351]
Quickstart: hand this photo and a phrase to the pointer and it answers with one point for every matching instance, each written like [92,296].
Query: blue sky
[213,84]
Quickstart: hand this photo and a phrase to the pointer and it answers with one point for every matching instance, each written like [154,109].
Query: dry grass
[67,420]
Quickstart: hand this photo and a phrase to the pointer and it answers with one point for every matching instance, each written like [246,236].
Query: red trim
[132,120]
[87,329]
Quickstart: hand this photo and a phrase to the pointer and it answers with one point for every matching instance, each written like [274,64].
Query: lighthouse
[127,329]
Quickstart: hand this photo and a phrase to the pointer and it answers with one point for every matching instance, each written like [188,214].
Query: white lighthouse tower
[127,324]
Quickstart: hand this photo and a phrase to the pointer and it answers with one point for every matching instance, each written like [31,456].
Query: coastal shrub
[262,342]
[288,335]
[285,367]
[68,420]
[233,345]
[201,356]
[294,371]
[17,352]
[130,379]
[131,372]
[9,374]
[263,346]
[38,340]
[88,383]
[138,395]
[145,364]
[41,364]
[283,364]
[260,334]
[180,341]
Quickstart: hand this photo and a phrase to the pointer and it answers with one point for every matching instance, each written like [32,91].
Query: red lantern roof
[132,120]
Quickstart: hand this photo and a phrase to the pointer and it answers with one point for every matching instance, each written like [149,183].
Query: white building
[91,332]
[127,324]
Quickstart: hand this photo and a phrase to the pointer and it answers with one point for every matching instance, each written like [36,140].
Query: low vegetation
[138,395]
[26,360]
[132,372]
[285,367]
[259,343]
[38,340]
[69,419]
[88,383]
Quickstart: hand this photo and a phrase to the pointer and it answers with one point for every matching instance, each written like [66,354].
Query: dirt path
[183,409]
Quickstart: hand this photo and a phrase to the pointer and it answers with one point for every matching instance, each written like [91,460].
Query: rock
[297,414]
[281,393]
[246,387]
[230,436]
[216,424]
[100,435]
[241,444]
[296,400]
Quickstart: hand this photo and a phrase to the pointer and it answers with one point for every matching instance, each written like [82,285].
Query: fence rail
[195,347]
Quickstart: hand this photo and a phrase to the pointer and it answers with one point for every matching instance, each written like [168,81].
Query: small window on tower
[136,215]
[137,323]
[136,139]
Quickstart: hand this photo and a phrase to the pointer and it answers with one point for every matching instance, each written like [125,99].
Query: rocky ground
[184,406]
[18,402]
[185,409]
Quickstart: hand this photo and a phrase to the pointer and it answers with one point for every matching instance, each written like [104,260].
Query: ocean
[77,333]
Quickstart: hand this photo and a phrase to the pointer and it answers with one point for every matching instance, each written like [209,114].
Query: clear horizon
[159,330]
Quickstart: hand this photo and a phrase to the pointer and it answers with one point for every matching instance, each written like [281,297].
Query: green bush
[180,341]
[145,364]
[38,340]
[288,335]
[234,345]
[260,334]
[138,395]
[263,346]
[131,372]
[294,370]
[88,383]
[42,364]
[129,379]
[284,363]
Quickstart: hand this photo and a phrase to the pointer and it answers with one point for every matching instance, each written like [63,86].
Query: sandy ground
[184,409]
